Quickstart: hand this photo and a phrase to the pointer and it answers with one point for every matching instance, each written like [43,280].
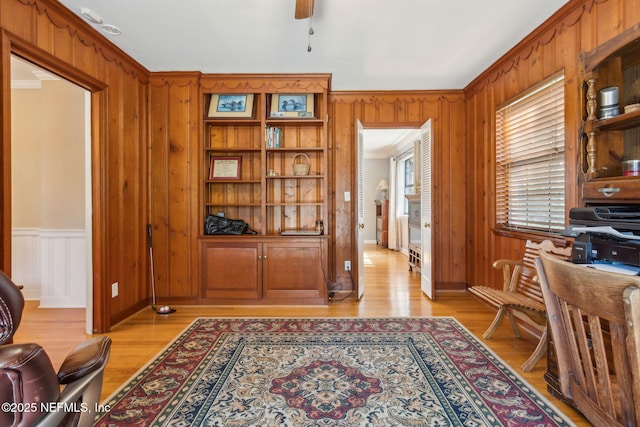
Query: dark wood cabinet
[612,137]
[292,271]
[247,270]
[382,223]
[231,269]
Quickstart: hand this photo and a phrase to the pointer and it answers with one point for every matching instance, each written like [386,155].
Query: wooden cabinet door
[232,270]
[294,271]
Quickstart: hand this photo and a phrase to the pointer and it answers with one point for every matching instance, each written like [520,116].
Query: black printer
[605,234]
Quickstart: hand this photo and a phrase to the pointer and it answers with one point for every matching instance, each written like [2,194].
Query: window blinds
[530,165]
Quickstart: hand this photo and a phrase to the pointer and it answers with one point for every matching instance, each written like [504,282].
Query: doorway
[385,154]
[51,188]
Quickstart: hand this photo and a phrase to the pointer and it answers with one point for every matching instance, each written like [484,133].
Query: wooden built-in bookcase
[269,267]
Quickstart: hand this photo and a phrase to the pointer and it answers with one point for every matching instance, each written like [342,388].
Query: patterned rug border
[509,371]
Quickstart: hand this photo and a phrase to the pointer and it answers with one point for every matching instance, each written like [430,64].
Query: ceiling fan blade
[304,9]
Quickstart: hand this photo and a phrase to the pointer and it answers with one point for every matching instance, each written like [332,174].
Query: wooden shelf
[293,149]
[295,177]
[234,122]
[295,122]
[266,266]
[620,122]
[232,150]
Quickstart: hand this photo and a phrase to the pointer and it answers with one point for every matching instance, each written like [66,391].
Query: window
[530,164]
[408,182]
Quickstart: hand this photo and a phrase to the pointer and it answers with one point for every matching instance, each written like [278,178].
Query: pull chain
[310,33]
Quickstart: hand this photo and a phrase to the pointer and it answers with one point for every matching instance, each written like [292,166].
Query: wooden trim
[595,57]
[13,45]
[5,151]
[43,59]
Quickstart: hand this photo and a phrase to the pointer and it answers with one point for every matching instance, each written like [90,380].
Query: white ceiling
[364,44]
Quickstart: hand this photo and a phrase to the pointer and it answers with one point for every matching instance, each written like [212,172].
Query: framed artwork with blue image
[231,106]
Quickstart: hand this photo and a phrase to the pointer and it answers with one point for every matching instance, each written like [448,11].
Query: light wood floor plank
[391,291]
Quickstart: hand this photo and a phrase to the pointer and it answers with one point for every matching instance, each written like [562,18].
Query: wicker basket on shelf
[301,169]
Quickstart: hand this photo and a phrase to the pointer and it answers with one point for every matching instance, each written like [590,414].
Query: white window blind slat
[530,167]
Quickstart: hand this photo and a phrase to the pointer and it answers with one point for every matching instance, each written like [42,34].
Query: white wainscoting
[51,265]
[25,261]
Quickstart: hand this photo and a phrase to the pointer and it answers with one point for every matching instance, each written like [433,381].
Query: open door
[426,269]
[359,231]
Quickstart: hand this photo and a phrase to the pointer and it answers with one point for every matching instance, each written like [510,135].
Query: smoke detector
[91,16]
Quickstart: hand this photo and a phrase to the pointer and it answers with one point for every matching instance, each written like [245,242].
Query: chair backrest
[527,281]
[11,306]
[595,324]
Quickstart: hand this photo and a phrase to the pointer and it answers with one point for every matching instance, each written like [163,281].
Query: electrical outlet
[114,289]
[347,266]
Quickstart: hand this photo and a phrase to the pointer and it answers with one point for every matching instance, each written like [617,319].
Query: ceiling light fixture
[91,16]
[111,30]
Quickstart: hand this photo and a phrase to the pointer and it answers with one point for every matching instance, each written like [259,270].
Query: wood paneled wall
[579,26]
[404,110]
[145,148]
[175,131]
[49,35]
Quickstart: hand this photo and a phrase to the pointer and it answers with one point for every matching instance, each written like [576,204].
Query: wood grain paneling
[49,35]
[404,110]
[146,136]
[174,115]
[579,26]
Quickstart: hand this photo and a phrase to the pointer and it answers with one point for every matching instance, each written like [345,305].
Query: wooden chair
[521,296]
[595,324]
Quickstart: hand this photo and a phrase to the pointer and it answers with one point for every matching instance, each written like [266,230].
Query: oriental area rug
[343,372]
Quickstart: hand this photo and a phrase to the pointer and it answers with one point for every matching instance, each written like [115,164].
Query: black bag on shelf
[214,224]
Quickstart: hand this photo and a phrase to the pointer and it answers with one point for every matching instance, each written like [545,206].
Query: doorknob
[427,225]
[360,225]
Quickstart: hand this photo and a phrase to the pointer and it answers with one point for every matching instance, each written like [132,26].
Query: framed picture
[292,105]
[231,106]
[225,167]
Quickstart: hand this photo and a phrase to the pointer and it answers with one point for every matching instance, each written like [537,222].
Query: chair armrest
[511,270]
[27,379]
[82,372]
[86,357]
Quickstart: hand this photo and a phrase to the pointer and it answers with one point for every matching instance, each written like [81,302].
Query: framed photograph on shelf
[231,106]
[223,168]
[292,105]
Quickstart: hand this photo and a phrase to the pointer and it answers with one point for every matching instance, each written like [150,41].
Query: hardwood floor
[391,291]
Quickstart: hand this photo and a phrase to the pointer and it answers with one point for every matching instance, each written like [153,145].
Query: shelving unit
[610,141]
[382,223]
[268,194]
[415,239]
